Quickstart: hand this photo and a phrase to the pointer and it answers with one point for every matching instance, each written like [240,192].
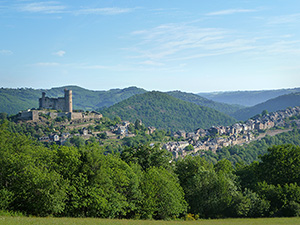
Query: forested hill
[247,98]
[14,100]
[198,100]
[272,105]
[164,111]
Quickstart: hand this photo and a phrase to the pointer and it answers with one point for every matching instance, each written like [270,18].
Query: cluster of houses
[123,129]
[118,131]
[62,138]
[218,137]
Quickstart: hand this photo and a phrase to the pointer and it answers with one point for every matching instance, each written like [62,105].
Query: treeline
[142,182]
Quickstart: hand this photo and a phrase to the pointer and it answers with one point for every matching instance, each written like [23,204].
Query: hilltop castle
[64,103]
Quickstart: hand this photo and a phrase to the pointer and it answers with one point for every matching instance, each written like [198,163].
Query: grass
[92,221]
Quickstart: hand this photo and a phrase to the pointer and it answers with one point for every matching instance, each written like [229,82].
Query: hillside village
[89,125]
[218,137]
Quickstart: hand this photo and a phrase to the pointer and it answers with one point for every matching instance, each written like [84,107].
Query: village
[218,137]
[200,140]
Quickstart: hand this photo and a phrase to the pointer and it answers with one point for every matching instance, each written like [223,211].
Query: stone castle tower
[64,104]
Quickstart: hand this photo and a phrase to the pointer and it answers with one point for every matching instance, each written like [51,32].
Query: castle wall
[29,115]
[63,103]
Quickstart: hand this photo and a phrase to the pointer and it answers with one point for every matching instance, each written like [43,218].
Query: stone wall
[62,103]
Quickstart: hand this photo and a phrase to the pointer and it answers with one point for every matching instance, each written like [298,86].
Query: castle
[63,103]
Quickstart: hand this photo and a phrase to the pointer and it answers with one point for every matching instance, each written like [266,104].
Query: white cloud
[104,11]
[230,11]
[5,52]
[43,7]
[59,53]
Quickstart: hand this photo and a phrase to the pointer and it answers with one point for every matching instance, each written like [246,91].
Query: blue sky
[193,45]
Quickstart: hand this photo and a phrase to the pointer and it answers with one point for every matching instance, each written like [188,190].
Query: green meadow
[94,221]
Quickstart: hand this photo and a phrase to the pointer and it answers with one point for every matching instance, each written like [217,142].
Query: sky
[192,45]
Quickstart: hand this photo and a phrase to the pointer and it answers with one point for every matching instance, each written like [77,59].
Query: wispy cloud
[285,19]
[171,42]
[59,53]
[93,67]
[54,7]
[5,52]
[104,11]
[291,47]
[47,64]
[151,63]
[230,11]
[43,7]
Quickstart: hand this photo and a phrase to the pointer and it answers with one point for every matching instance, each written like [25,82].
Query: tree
[102,135]
[208,193]
[250,204]
[117,120]
[163,198]
[189,148]
[3,116]
[102,186]
[28,180]
[147,156]
[77,141]
[265,112]
[281,165]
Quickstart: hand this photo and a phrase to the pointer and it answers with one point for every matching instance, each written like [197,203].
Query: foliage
[147,156]
[163,197]
[27,175]
[163,111]
[82,181]
[250,152]
[141,182]
[276,180]
[198,100]
[281,166]
[209,192]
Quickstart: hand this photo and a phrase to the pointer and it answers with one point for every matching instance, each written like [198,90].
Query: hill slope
[247,98]
[198,100]
[279,103]
[164,111]
[14,100]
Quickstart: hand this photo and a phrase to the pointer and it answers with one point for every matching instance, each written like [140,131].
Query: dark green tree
[147,156]
[163,197]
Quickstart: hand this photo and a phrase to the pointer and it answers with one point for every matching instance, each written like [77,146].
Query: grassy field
[90,221]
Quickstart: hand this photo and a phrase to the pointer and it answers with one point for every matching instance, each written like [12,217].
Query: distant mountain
[247,98]
[14,100]
[164,111]
[279,103]
[198,100]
